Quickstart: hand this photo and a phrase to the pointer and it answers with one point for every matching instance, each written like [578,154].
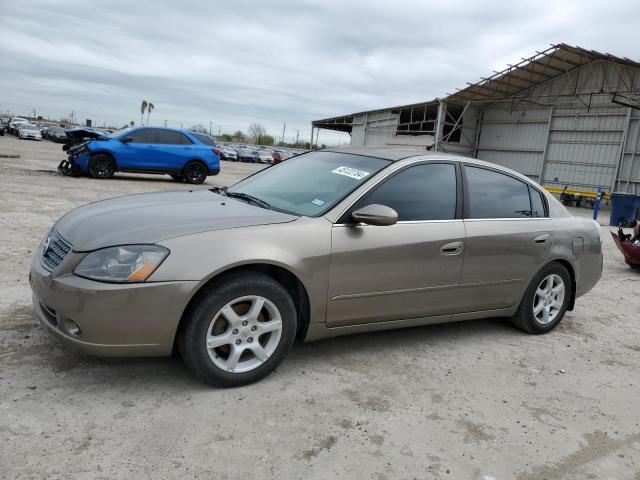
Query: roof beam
[493,90]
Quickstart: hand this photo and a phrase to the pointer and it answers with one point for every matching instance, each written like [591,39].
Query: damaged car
[186,156]
[328,243]
[629,245]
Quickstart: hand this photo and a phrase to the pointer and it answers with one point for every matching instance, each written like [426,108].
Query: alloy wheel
[102,167]
[548,299]
[244,334]
[195,173]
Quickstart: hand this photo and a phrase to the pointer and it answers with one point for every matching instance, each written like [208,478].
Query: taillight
[216,151]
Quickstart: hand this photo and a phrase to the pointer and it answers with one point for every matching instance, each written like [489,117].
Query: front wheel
[102,166]
[545,301]
[238,331]
[194,172]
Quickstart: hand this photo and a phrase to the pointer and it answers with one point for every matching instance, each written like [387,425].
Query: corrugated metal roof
[557,60]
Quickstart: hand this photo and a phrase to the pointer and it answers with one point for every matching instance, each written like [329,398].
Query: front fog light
[124,264]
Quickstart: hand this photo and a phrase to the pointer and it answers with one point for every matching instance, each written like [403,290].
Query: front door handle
[454,248]
[540,239]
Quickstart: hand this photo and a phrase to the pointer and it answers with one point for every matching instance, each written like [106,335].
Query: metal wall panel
[515,139]
[629,172]
[584,147]
[586,143]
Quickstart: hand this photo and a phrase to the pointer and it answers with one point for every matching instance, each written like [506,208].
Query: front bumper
[114,319]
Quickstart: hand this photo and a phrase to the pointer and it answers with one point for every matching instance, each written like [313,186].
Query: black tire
[177,178]
[199,321]
[195,172]
[102,166]
[525,319]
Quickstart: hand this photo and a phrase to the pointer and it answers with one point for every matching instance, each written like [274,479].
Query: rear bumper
[114,319]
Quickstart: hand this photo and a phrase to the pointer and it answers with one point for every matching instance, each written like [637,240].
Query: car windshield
[310,184]
[30,127]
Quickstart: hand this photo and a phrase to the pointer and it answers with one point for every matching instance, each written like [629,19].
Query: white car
[266,156]
[29,130]
[16,123]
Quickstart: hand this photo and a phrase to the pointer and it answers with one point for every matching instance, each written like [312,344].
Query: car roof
[387,153]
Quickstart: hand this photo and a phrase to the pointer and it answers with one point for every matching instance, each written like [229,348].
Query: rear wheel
[238,331]
[545,301]
[102,166]
[194,172]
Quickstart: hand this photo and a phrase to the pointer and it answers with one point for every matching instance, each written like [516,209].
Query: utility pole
[297,135]
[219,127]
[284,126]
[165,124]
[210,123]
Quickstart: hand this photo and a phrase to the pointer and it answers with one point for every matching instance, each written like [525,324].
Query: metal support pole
[623,142]
[543,167]
[632,160]
[442,111]
[478,133]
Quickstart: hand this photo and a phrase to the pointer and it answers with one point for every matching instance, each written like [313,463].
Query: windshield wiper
[248,198]
[242,196]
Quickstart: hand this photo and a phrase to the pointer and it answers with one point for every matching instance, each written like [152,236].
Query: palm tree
[143,107]
[150,107]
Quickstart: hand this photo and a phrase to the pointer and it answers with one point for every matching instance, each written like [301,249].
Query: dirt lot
[476,400]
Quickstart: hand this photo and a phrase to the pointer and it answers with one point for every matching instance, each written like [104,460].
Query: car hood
[78,134]
[152,217]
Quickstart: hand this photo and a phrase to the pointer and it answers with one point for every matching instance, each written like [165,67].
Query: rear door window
[495,195]
[167,137]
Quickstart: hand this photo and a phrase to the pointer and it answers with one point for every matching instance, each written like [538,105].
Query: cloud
[236,62]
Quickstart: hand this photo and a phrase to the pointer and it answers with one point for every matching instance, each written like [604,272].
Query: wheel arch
[572,274]
[93,153]
[285,277]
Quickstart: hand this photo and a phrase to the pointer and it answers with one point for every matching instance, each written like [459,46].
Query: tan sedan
[327,243]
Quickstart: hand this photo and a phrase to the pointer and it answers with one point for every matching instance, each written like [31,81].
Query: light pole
[210,123]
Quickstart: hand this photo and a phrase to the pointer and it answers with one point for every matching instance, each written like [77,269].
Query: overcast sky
[236,62]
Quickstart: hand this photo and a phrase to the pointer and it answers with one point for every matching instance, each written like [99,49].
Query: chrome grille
[54,252]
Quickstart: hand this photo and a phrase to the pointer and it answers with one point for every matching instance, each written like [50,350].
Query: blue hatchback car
[185,155]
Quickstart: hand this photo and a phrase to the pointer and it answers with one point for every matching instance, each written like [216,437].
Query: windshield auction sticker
[351,172]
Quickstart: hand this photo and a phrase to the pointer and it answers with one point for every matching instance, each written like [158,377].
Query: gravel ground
[477,400]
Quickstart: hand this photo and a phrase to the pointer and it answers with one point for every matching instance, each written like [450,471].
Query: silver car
[328,243]
[29,131]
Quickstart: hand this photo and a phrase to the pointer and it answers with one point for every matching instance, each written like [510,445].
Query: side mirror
[126,140]
[375,214]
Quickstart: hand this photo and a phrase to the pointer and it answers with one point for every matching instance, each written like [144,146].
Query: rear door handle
[453,248]
[541,238]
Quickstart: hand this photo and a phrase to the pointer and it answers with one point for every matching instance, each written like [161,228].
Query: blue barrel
[623,207]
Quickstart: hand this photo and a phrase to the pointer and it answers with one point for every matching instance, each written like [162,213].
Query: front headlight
[127,263]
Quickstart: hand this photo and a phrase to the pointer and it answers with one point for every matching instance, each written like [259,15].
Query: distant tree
[239,134]
[266,140]
[132,123]
[257,131]
[150,106]
[225,137]
[143,107]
